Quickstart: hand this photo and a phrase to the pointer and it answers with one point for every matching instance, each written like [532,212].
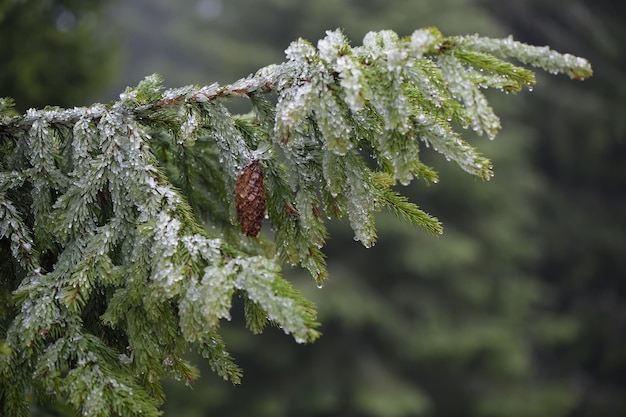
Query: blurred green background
[518,310]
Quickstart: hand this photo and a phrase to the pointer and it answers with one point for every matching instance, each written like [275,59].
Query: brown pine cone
[250,199]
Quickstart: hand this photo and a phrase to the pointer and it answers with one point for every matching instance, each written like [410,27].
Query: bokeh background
[518,310]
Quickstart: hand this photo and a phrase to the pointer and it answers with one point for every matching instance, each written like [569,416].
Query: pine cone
[250,199]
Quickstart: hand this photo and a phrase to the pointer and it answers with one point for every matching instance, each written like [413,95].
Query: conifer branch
[118,225]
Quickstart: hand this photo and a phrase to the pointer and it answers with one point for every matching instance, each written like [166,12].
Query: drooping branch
[122,220]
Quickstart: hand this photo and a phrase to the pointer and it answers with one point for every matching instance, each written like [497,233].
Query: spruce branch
[120,220]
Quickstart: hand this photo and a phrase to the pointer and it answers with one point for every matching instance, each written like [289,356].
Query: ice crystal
[293,107]
[258,276]
[179,93]
[84,133]
[332,46]
[422,41]
[334,173]
[200,246]
[538,56]
[12,226]
[482,117]
[352,81]
[332,123]
[361,206]
[301,51]
[202,95]
[207,301]
[190,125]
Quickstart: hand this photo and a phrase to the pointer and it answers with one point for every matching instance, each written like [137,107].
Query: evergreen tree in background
[198,38]
[127,228]
[581,159]
[54,52]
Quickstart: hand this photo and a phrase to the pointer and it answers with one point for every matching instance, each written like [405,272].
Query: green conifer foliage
[119,235]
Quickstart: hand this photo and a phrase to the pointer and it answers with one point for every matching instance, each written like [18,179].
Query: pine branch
[121,220]
[405,209]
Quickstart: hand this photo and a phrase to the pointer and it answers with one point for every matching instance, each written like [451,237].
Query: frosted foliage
[293,107]
[379,43]
[150,86]
[444,140]
[259,81]
[73,209]
[12,179]
[166,274]
[332,123]
[332,46]
[392,107]
[313,95]
[313,266]
[304,204]
[200,247]
[190,124]
[404,163]
[38,312]
[127,162]
[396,58]
[422,40]
[84,135]
[333,167]
[481,114]
[362,204]
[94,389]
[40,155]
[263,78]
[387,96]
[12,226]
[425,83]
[400,118]
[234,153]
[121,144]
[258,276]
[91,190]
[352,81]
[54,356]
[217,287]
[95,400]
[386,44]
[300,51]
[205,302]
[538,56]
[188,91]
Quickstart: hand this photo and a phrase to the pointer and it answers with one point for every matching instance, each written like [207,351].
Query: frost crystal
[301,51]
[332,122]
[332,46]
[258,277]
[190,125]
[293,108]
[352,81]
[538,56]
[166,235]
[422,40]
[200,246]
[463,88]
